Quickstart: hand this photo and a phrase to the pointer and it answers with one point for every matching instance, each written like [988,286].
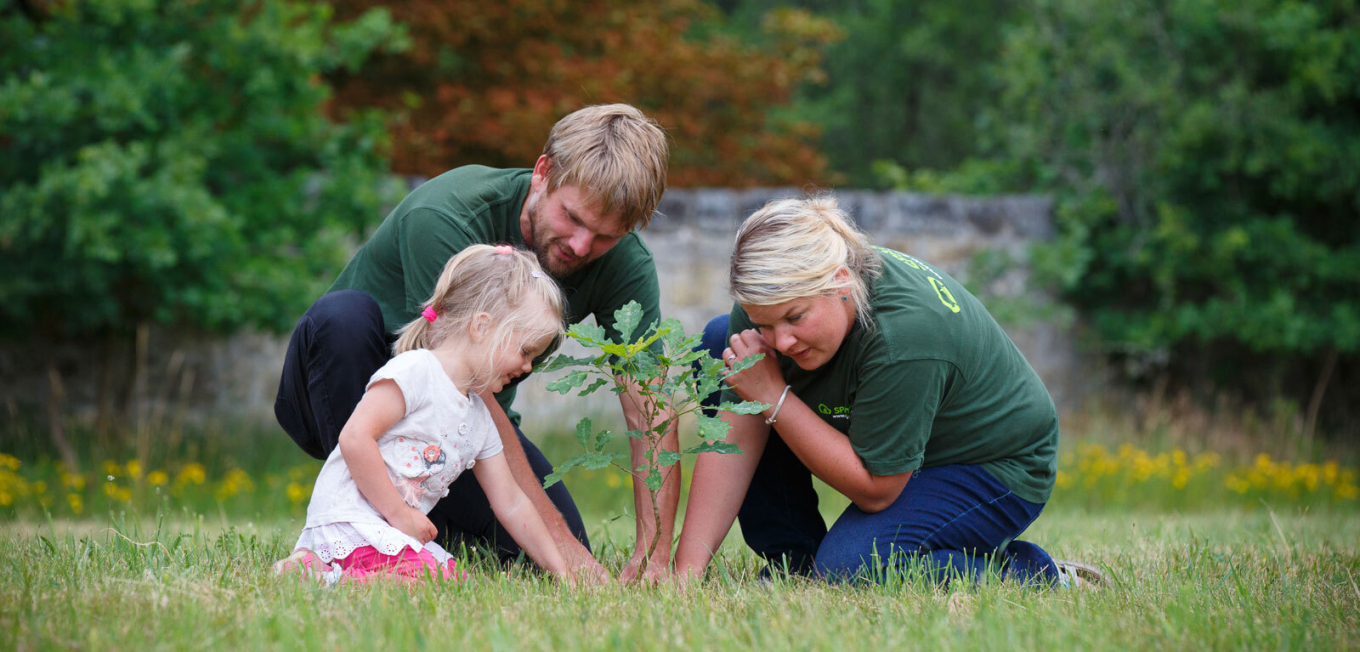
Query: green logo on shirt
[839,410]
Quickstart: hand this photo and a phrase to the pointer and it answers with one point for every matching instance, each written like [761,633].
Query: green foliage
[905,86]
[1206,154]
[665,375]
[171,162]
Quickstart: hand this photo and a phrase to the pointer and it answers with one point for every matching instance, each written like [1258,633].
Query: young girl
[421,423]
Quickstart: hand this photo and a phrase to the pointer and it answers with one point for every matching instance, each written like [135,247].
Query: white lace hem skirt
[338,540]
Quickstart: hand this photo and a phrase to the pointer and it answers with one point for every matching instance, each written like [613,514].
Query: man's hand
[582,566]
[658,568]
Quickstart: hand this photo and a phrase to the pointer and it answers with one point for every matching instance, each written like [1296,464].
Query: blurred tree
[485,82]
[907,84]
[1206,154]
[169,162]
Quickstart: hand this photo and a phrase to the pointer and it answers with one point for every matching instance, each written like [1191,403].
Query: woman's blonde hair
[794,248]
[523,302]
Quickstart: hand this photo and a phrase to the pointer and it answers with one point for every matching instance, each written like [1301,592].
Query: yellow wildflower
[235,482]
[134,469]
[1181,478]
[192,473]
[74,481]
[296,493]
[111,468]
[77,504]
[9,461]
[157,478]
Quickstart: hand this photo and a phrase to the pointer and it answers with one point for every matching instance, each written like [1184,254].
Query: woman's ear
[478,327]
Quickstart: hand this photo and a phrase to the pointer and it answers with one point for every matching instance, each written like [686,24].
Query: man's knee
[346,311]
[715,335]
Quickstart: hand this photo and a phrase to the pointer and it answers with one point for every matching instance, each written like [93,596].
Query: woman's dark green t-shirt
[935,382]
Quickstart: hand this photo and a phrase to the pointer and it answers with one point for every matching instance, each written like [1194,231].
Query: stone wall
[198,379]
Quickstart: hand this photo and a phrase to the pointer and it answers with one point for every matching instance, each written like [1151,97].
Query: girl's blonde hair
[793,248]
[524,303]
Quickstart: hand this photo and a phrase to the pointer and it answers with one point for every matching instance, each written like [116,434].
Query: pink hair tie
[504,250]
[429,313]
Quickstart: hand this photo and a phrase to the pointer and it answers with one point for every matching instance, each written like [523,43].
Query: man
[600,177]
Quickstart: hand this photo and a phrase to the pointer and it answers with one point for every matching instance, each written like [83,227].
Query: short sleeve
[491,438]
[428,239]
[410,372]
[894,409]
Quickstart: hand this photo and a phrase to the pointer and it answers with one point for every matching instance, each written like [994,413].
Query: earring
[844,298]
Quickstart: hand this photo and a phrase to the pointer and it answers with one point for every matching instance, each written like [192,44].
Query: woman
[887,380]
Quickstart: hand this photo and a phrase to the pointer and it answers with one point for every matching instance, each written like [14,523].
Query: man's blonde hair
[615,155]
[524,303]
[794,248]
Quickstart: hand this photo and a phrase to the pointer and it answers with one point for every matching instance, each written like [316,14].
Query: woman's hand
[415,524]
[763,381]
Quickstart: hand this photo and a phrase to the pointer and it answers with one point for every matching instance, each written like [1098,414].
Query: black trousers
[335,348]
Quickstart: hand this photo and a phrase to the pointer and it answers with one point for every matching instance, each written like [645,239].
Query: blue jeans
[956,520]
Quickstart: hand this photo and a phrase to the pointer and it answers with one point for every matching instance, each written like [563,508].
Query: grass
[1244,553]
[1225,580]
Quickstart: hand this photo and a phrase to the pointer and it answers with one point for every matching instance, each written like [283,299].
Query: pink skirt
[366,563]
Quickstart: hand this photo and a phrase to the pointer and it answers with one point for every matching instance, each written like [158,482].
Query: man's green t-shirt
[935,382]
[469,205]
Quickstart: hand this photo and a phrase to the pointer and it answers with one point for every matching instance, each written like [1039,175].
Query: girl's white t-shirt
[442,434]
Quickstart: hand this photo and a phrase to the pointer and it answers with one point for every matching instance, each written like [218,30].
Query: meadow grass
[1225,580]
[181,562]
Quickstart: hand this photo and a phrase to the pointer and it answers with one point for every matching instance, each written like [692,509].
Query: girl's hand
[414,524]
[762,382]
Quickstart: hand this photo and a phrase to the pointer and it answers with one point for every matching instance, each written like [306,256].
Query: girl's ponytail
[420,333]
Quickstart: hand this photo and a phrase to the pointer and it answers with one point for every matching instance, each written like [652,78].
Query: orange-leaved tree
[485,81]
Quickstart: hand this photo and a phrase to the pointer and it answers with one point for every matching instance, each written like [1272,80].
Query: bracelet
[780,404]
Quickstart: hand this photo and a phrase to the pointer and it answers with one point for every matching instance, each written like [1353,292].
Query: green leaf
[646,368]
[653,480]
[712,427]
[637,434]
[619,350]
[590,389]
[603,437]
[673,333]
[744,407]
[583,430]
[565,384]
[626,320]
[588,334]
[561,361]
[666,458]
[595,461]
[720,447]
[746,362]
[561,470]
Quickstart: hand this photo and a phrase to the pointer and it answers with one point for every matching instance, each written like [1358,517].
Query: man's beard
[542,247]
